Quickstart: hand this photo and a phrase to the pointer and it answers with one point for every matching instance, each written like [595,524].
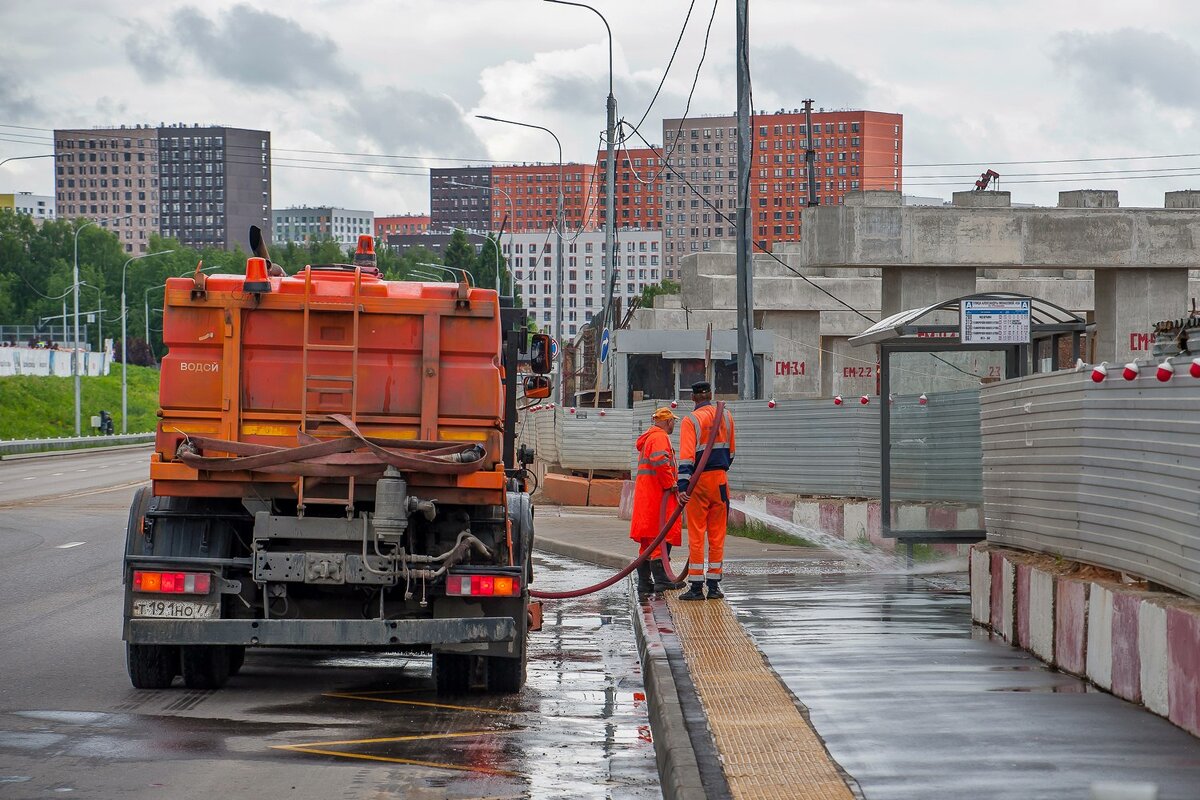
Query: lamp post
[21,158]
[610,174]
[125,339]
[559,223]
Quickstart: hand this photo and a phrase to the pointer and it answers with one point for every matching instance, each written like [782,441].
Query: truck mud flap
[317,632]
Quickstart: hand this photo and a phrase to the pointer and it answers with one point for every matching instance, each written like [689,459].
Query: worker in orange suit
[654,481]
[708,506]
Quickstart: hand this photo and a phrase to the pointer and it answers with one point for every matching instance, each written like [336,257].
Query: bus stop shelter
[1015,334]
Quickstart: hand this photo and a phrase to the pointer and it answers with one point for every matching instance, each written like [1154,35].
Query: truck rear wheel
[506,675]
[151,666]
[205,666]
[451,673]
[237,657]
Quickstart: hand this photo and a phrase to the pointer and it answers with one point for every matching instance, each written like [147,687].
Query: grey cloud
[243,45]
[786,72]
[1129,59]
[408,120]
[14,104]
[149,53]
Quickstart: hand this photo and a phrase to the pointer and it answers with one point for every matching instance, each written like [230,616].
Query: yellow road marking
[391,760]
[413,738]
[423,703]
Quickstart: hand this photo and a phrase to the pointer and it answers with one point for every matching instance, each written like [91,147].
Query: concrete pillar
[796,371]
[1128,303]
[914,287]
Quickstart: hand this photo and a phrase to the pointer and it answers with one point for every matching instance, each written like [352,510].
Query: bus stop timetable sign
[995,322]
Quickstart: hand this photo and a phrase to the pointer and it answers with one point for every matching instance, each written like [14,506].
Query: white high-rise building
[304,224]
[532,257]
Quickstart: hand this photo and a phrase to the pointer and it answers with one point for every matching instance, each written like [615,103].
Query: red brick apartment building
[400,223]
[528,195]
[638,187]
[854,150]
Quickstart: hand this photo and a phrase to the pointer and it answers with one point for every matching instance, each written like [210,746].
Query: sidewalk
[752,727]
[813,680]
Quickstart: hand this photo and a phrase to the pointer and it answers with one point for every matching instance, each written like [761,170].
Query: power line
[670,61]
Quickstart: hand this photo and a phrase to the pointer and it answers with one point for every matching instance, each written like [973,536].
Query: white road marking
[56,474]
[69,545]
[31,477]
[81,470]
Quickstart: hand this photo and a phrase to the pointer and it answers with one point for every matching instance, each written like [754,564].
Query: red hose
[662,534]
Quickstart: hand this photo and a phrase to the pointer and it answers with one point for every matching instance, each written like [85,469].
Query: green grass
[33,407]
[761,533]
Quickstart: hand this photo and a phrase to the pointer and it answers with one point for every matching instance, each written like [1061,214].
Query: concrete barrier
[13,447]
[604,493]
[1141,645]
[565,490]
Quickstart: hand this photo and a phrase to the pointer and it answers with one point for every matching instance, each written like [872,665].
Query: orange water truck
[334,467]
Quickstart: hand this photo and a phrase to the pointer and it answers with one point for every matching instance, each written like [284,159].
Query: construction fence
[46,362]
[804,447]
[1104,473]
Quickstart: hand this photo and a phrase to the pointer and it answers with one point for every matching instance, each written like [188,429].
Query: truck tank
[329,471]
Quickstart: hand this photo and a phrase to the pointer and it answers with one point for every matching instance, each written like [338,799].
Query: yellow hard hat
[663,413]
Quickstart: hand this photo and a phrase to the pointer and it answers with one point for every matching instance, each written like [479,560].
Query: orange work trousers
[707,514]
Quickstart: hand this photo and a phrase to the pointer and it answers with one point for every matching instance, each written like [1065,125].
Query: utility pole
[747,379]
[610,234]
[810,156]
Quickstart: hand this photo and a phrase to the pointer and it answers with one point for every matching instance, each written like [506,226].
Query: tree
[651,291]
[459,253]
[485,266]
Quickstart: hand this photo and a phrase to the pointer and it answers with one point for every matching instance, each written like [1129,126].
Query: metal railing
[16,446]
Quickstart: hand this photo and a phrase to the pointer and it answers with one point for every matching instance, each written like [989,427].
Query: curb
[74,451]
[678,769]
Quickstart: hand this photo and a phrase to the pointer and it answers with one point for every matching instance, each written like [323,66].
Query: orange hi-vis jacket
[693,436]
[655,477]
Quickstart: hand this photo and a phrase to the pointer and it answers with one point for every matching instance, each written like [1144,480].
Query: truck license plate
[174,609]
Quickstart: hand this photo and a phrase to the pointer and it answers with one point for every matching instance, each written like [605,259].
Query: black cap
[701,387]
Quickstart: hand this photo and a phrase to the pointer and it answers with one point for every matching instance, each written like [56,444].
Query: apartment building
[215,184]
[110,175]
[303,224]
[854,150]
[528,195]
[460,197]
[38,206]
[638,187]
[400,224]
[532,258]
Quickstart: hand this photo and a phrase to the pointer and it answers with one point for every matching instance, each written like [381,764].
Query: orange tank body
[425,361]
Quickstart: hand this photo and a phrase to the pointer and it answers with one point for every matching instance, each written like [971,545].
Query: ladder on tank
[345,384]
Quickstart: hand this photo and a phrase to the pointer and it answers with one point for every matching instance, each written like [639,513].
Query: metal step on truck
[334,467]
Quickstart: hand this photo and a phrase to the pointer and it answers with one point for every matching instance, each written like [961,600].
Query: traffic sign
[554,348]
[604,344]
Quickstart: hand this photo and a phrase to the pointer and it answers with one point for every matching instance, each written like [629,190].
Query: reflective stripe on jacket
[693,436]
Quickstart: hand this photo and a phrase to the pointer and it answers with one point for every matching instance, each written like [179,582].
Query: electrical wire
[670,61]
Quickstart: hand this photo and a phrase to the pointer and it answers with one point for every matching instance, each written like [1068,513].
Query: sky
[979,82]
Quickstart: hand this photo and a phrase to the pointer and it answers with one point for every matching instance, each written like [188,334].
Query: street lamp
[560,222]
[124,341]
[20,158]
[75,282]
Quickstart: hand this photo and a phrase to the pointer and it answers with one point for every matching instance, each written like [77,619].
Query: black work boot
[694,592]
[661,581]
[645,584]
[714,590]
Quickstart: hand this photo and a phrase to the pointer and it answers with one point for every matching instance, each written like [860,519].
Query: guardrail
[16,446]
[1105,473]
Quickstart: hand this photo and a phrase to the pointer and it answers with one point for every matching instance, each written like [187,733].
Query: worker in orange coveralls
[655,478]
[708,506]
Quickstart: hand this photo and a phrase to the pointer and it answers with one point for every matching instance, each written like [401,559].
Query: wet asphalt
[914,702]
[293,723]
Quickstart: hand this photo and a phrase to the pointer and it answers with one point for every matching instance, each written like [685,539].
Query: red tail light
[172,582]
[482,586]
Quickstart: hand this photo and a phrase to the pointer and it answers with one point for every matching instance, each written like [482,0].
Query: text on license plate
[174,609]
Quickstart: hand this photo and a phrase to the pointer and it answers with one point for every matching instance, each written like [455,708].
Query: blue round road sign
[554,348]
[605,338]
